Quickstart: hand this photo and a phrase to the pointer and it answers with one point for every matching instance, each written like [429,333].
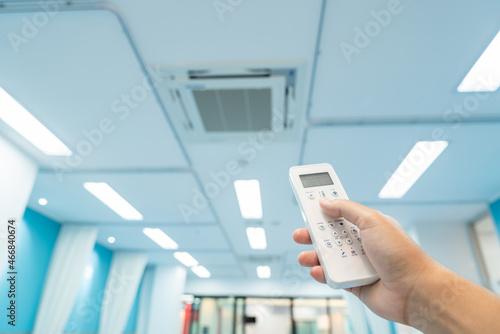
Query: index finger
[301,236]
[356,213]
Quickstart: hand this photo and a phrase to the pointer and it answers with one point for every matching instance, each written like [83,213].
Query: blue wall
[85,315]
[132,319]
[495,212]
[86,312]
[87,309]
[35,242]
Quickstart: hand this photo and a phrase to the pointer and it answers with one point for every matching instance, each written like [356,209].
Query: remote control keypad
[339,233]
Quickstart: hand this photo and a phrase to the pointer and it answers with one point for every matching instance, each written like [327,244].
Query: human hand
[400,262]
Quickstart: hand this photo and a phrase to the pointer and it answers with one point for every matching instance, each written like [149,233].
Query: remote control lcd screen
[316,180]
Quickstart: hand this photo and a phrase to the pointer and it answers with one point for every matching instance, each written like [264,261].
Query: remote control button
[328,244]
[322,193]
[335,234]
[354,230]
[321,226]
[348,241]
[338,242]
[310,196]
[358,239]
[345,233]
[334,193]
[341,224]
[331,225]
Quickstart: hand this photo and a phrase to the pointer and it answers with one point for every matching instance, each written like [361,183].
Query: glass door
[311,316]
[239,316]
[213,316]
[339,319]
[243,315]
[268,316]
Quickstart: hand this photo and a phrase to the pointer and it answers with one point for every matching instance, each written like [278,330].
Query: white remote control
[337,241]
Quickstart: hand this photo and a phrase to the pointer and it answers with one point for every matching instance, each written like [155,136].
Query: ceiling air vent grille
[234,110]
[224,102]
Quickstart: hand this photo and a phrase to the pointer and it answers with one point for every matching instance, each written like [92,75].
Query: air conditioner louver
[234,110]
[225,102]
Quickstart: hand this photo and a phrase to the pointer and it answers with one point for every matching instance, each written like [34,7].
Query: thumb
[358,214]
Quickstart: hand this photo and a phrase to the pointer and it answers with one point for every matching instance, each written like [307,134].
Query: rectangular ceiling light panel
[263,272]
[160,237]
[19,119]
[186,259]
[249,200]
[485,74]
[201,271]
[421,156]
[113,200]
[257,237]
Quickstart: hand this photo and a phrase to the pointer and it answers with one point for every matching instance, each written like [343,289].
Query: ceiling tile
[160,197]
[409,68]
[364,157]
[190,238]
[79,76]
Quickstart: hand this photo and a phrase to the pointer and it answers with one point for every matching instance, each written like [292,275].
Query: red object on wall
[187,318]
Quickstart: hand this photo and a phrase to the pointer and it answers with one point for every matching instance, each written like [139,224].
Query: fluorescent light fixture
[186,259]
[248,193]
[89,271]
[42,201]
[18,118]
[113,200]
[111,240]
[263,272]
[484,76]
[201,271]
[158,236]
[257,237]
[421,156]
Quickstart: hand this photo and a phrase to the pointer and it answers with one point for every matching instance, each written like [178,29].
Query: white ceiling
[70,74]
[364,156]
[365,116]
[411,69]
[156,194]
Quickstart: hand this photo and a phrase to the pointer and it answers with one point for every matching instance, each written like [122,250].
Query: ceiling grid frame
[7,7]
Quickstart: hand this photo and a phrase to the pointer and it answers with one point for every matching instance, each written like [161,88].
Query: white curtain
[144,301]
[121,289]
[73,247]
[160,300]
